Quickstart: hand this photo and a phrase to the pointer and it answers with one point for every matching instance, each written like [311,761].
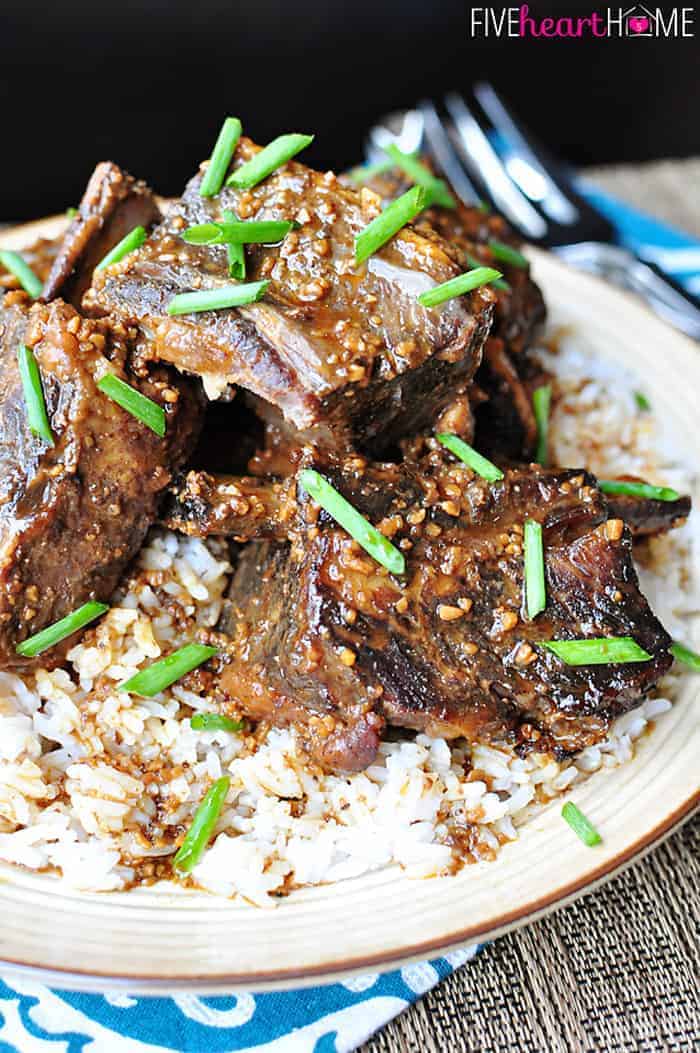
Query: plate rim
[289,977]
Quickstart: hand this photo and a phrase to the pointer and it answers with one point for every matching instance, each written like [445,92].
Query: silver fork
[486,154]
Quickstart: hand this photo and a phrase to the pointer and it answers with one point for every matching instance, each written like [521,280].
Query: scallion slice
[389,222]
[372,541]
[652,493]
[71,212]
[270,158]
[507,254]
[438,192]
[683,654]
[131,400]
[535,589]
[217,299]
[62,629]
[15,264]
[235,252]
[463,283]
[252,232]
[214,722]
[468,455]
[498,283]
[606,650]
[129,243]
[37,417]
[582,827]
[213,178]
[151,681]
[197,837]
[642,402]
[541,401]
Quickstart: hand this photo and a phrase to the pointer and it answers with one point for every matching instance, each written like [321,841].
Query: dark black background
[147,85]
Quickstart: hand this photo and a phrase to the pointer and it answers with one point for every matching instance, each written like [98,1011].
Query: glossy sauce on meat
[331,343]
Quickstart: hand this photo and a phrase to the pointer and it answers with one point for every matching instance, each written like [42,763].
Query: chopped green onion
[541,401]
[131,400]
[37,417]
[607,650]
[270,158]
[363,173]
[498,283]
[483,207]
[438,192]
[253,232]
[581,826]
[351,520]
[683,654]
[71,212]
[129,243]
[389,222]
[197,837]
[151,681]
[653,493]
[15,264]
[463,283]
[507,254]
[535,589]
[642,401]
[217,299]
[215,722]
[213,178]
[468,455]
[62,629]
[235,252]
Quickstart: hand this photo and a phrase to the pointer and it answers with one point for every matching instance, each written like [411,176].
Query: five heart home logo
[633,22]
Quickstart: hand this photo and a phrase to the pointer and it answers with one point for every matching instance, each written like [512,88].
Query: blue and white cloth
[336,1018]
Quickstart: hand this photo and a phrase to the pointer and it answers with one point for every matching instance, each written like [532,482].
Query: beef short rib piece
[112,205]
[344,348]
[205,504]
[201,504]
[647,517]
[322,637]
[73,515]
[505,422]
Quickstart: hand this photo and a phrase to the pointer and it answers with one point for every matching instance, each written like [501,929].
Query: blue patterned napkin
[332,1019]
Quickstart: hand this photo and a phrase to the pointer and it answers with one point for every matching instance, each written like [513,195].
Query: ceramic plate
[149,941]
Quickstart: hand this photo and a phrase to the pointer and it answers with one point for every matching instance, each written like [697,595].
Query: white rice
[73,796]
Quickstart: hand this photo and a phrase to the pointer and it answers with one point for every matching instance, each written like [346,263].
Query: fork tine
[444,153]
[525,168]
[542,177]
[479,153]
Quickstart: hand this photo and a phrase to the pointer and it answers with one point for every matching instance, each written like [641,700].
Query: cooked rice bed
[100,786]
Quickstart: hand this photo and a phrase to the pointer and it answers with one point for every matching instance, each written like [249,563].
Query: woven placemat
[618,970]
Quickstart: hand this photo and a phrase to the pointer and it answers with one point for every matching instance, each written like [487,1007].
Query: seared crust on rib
[73,515]
[112,205]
